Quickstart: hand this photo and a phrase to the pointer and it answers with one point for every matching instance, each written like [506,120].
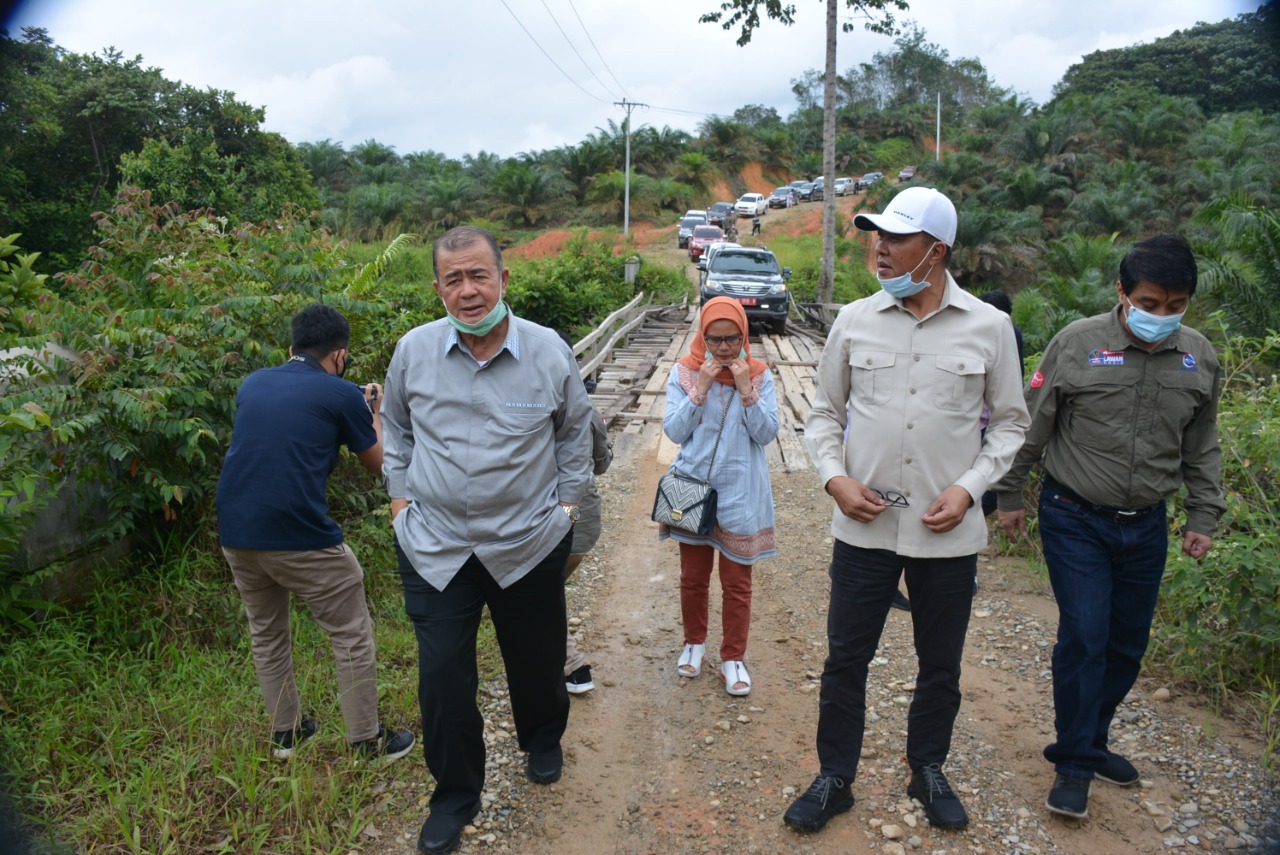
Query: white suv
[751,205]
[844,186]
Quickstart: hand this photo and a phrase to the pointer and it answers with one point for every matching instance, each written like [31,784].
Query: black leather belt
[1118,515]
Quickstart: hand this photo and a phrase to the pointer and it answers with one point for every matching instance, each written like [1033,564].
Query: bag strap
[724,415]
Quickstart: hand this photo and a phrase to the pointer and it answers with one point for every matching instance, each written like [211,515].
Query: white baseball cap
[916,209]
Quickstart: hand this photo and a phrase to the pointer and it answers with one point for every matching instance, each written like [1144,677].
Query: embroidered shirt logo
[1106,357]
[1037,379]
[1188,362]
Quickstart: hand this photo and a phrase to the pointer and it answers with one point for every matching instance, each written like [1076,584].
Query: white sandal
[691,659]
[734,672]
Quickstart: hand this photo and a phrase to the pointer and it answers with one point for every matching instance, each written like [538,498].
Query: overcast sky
[460,76]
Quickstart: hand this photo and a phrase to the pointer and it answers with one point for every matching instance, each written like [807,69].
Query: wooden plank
[793,449]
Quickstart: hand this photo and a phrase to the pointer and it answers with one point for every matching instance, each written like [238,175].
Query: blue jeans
[1105,573]
[863,582]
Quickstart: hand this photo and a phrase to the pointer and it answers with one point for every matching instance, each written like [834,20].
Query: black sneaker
[901,602]
[1069,796]
[388,745]
[826,797]
[929,787]
[579,681]
[1117,770]
[283,742]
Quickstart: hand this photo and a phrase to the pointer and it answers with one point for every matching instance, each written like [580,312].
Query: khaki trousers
[331,582]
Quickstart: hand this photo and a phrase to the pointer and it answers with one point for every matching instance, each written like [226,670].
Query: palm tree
[695,170]
[993,244]
[1079,282]
[1239,253]
[729,144]
[446,201]
[375,210]
[579,165]
[327,162]
[525,194]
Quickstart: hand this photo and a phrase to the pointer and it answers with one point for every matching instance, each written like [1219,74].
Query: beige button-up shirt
[908,393]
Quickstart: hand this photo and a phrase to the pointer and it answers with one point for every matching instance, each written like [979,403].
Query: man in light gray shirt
[487,451]
[906,372]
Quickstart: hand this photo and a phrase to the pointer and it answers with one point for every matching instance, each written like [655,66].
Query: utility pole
[626,180]
[937,132]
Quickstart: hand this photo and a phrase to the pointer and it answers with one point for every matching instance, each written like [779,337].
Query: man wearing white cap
[904,375]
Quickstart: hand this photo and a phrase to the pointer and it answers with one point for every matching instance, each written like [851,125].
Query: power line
[682,112]
[575,50]
[548,56]
[596,49]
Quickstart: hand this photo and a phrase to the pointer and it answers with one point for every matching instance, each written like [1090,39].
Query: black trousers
[863,582]
[530,624]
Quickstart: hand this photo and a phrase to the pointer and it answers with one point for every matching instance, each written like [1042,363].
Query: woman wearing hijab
[719,378]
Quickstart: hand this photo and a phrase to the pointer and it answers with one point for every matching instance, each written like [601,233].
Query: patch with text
[1106,357]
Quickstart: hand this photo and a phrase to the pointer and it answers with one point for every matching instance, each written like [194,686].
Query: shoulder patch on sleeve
[1037,379]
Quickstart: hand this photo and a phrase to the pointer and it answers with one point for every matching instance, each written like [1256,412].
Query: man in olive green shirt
[1123,410]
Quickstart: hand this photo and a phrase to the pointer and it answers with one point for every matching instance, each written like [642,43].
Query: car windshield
[707,231]
[690,222]
[752,262]
[782,191]
[868,176]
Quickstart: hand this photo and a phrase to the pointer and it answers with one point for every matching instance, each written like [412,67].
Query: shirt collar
[512,342]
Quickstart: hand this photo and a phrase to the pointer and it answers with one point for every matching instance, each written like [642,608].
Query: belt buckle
[1123,517]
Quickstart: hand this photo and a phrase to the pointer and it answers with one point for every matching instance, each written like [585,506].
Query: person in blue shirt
[273,523]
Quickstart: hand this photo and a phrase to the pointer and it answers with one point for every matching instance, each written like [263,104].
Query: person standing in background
[290,424]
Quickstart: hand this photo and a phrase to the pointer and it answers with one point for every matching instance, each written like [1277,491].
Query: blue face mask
[903,286]
[1152,328]
[482,326]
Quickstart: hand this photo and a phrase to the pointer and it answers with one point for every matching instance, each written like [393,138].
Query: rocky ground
[660,764]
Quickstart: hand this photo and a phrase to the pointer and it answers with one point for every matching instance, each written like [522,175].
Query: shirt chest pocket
[871,376]
[1180,395]
[958,382]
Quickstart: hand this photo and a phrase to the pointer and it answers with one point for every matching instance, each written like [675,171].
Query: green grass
[133,723]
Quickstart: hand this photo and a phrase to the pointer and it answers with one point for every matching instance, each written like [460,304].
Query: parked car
[751,205]
[818,193]
[805,191]
[783,197]
[720,214]
[867,180]
[844,186]
[703,236]
[907,173]
[751,276]
[687,225]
